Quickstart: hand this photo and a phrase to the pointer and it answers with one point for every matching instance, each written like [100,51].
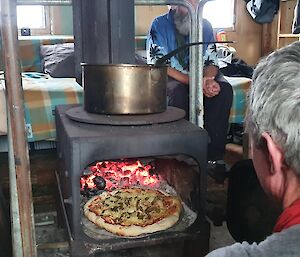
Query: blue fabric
[162,38]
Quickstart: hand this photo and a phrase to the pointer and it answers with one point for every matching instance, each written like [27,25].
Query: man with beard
[171,31]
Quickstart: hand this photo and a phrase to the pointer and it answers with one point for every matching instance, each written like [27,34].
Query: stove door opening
[175,176]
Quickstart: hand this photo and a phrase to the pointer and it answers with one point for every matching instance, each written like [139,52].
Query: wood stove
[173,152]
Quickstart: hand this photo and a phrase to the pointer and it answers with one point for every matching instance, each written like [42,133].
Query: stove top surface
[76,129]
[78,113]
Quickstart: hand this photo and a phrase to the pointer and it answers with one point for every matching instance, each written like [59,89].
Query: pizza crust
[134,230]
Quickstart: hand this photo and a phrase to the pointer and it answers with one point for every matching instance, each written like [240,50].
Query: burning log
[99,182]
[89,192]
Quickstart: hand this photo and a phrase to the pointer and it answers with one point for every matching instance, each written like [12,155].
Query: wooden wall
[252,39]
[62,20]
[271,30]
[247,34]
[281,24]
[144,16]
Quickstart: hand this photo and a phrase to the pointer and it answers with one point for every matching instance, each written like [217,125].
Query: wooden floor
[233,154]
[42,167]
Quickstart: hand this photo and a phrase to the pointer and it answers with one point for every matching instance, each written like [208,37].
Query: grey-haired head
[274,102]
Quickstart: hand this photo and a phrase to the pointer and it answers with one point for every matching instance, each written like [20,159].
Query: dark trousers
[216,113]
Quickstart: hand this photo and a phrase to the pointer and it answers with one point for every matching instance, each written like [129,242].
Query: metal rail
[16,239]
[198,90]
[196,56]
[44,2]
[17,135]
[194,53]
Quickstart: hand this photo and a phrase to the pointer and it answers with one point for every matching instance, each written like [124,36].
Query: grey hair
[274,102]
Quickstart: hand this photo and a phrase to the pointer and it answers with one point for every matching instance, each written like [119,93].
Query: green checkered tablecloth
[41,94]
[240,86]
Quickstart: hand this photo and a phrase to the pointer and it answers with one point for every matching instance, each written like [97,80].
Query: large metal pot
[128,88]
[124,88]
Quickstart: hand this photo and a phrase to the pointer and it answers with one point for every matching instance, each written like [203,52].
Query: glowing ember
[120,174]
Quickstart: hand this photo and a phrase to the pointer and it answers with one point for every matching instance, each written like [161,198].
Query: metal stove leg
[78,249]
[200,246]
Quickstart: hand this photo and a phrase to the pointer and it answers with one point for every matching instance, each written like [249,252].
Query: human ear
[274,152]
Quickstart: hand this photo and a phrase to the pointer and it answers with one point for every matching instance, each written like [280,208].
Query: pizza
[133,211]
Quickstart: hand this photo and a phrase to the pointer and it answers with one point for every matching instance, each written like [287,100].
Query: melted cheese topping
[135,206]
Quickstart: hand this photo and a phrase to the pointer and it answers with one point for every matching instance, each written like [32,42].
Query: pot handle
[162,60]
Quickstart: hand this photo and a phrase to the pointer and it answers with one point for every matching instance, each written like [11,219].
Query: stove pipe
[103,32]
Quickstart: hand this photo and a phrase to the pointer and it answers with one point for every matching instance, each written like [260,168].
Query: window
[35,17]
[220,13]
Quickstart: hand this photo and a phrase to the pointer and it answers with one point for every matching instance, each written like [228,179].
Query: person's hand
[211,87]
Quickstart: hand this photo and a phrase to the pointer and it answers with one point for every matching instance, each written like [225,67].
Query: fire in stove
[109,175]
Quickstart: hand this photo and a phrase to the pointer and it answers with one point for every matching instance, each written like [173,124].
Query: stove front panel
[81,144]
